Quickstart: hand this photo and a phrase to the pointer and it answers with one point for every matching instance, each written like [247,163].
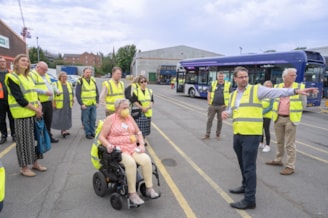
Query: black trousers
[266,127]
[47,114]
[4,110]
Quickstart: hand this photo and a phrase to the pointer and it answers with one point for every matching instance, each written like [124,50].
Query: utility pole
[37,44]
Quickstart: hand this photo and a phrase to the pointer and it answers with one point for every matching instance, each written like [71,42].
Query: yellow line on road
[5,151]
[175,190]
[216,187]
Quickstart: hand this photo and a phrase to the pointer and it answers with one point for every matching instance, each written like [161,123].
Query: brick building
[11,44]
[86,59]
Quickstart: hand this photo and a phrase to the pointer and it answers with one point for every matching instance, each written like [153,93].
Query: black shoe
[239,190]
[243,205]
[53,140]
[3,140]
[93,135]
[89,136]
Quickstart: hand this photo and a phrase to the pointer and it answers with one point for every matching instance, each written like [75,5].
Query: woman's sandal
[39,168]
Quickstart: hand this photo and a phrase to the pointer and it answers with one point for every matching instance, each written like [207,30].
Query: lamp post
[37,50]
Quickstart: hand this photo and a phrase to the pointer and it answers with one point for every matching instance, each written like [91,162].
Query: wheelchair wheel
[142,188]
[116,201]
[99,184]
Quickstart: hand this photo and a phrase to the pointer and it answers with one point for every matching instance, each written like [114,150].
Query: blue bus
[199,73]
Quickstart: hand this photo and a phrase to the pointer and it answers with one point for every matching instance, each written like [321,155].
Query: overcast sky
[220,26]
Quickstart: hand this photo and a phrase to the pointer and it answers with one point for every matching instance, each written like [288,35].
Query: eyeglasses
[144,81]
[242,77]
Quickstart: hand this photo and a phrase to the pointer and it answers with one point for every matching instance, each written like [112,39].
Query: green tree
[125,56]
[270,50]
[33,55]
[300,48]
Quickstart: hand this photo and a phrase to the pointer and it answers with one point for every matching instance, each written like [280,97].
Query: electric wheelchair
[110,178]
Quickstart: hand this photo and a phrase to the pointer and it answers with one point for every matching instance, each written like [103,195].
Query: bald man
[45,91]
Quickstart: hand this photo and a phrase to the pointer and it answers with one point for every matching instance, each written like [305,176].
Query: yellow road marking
[216,187]
[5,151]
[175,190]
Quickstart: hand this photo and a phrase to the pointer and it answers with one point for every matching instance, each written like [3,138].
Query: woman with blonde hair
[120,130]
[24,106]
[62,104]
[267,104]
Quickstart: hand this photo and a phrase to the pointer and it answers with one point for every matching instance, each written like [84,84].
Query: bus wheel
[192,92]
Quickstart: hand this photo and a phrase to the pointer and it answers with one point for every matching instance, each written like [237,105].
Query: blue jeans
[89,119]
[246,147]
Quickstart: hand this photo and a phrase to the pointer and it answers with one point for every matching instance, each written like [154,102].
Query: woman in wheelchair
[120,130]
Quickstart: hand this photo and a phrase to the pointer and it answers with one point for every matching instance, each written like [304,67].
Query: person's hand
[49,93]
[224,115]
[142,148]
[97,105]
[110,148]
[38,113]
[307,91]
[83,106]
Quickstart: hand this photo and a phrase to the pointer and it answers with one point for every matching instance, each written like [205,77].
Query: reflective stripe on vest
[2,182]
[265,104]
[114,92]
[40,84]
[59,99]
[27,88]
[247,118]
[2,95]
[88,92]
[226,91]
[145,99]
[295,106]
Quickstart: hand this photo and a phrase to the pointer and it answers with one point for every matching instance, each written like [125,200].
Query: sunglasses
[144,81]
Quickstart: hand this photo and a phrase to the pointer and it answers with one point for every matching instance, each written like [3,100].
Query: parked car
[53,78]
[73,79]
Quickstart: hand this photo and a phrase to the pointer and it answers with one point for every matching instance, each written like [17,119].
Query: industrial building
[160,65]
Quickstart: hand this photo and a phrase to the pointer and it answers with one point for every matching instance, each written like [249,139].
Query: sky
[227,27]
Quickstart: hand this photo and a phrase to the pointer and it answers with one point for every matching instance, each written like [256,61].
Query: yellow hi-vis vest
[40,84]
[27,87]
[2,184]
[247,118]
[94,148]
[59,99]
[226,91]
[266,104]
[88,91]
[145,99]
[295,105]
[114,91]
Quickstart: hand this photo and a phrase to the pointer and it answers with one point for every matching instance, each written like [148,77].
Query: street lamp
[37,44]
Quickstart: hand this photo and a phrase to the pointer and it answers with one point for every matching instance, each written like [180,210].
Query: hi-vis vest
[113,92]
[27,87]
[2,184]
[226,92]
[295,105]
[59,99]
[247,118]
[265,104]
[94,148]
[88,91]
[40,84]
[145,99]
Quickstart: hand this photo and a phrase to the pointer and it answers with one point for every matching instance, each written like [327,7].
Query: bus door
[313,77]
[181,78]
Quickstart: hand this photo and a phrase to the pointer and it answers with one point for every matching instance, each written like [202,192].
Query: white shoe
[266,148]
[261,145]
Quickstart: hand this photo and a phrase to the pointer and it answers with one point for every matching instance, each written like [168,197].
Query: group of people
[251,108]
[26,95]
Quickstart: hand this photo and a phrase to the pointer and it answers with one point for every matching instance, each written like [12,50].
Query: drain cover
[169,162]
